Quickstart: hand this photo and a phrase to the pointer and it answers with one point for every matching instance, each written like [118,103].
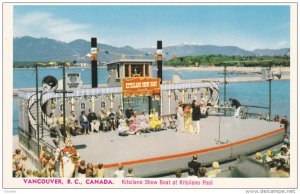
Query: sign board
[140,86]
[266,74]
[73,81]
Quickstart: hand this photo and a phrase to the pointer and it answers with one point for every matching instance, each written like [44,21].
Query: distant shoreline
[229,68]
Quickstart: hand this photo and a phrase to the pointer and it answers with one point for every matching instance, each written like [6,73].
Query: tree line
[201,61]
[29,64]
[219,60]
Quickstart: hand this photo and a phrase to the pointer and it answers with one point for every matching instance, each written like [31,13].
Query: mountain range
[44,49]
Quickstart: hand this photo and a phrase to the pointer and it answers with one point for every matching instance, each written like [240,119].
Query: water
[25,78]
[257,94]
[248,93]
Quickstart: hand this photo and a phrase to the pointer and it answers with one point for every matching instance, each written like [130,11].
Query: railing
[31,144]
[245,112]
[31,118]
[31,102]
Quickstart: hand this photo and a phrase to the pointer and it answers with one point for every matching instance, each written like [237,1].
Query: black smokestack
[94,63]
[159,60]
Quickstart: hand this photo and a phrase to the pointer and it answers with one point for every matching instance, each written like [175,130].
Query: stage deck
[168,150]
[109,148]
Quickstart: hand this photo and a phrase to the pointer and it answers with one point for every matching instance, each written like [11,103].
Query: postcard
[150,95]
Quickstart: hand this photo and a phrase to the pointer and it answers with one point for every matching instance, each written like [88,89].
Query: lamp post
[37,107]
[270,92]
[225,72]
[63,66]
[64,96]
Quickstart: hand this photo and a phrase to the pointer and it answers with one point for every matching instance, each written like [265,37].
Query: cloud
[282,44]
[42,24]
[280,27]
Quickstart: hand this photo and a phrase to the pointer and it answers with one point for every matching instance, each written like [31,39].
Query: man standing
[285,122]
[235,103]
[196,117]
[180,118]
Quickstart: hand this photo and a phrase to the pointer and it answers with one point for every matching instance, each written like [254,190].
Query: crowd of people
[128,123]
[49,162]
[272,163]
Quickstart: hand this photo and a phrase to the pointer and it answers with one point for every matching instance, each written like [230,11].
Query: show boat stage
[131,84]
[168,150]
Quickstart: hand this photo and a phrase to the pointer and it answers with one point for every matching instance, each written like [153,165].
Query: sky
[248,27]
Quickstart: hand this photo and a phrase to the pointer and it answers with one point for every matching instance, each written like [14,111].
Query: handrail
[31,118]
[263,107]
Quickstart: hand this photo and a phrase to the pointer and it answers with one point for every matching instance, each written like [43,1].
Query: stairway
[33,115]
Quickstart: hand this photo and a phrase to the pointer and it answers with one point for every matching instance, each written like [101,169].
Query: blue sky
[247,27]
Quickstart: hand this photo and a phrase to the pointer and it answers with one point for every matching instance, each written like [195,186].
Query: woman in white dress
[123,129]
[144,121]
[180,118]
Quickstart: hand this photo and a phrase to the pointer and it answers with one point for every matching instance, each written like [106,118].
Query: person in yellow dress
[154,122]
[188,124]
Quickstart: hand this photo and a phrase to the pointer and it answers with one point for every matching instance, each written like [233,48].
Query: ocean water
[248,93]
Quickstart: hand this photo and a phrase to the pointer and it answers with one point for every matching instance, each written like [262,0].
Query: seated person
[111,113]
[129,112]
[267,117]
[76,128]
[74,125]
[63,129]
[144,121]
[93,120]
[134,128]
[112,118]
[172,121]
[84,122]
[95,124]
[122,129]
[52,124]
[154,121]
[102,113]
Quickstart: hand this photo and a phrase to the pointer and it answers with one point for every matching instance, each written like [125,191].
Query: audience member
[194,164]
[101,171]
[130,173]
[120,172]
[215,170]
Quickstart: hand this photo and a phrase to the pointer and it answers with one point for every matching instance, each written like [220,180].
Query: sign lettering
[140,86]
